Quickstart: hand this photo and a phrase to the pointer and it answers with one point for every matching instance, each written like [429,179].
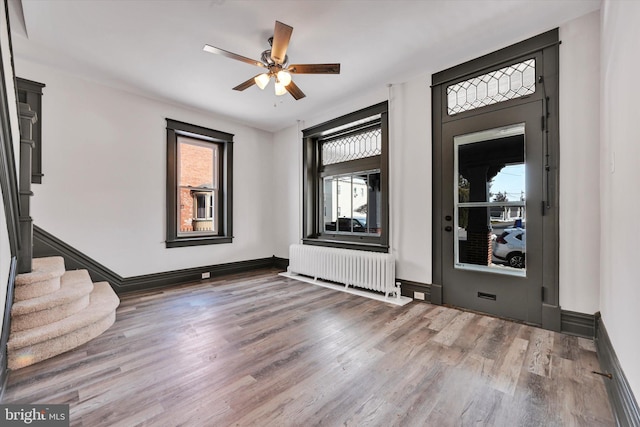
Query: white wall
[117,212]
[10,85]
[410,180]
[5,262]
[410,168]
[5,251]
[286,205]
[104,165]
[287,158]
[619,177]
[579,164]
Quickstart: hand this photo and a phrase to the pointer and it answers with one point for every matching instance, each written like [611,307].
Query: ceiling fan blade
[247,84]
[218,51]
[281,36]
[295,91]
[314,68]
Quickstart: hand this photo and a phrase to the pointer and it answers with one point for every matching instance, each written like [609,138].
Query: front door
[495,183]
[492,187]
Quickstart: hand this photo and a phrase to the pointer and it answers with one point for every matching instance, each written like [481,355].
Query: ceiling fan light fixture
[262,80]
[284,77]
[280,89]
[276,63]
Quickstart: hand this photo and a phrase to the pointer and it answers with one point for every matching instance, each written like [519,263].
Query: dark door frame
[546,47]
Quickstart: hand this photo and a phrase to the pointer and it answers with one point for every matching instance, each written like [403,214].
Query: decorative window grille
[352,147]
[514,81]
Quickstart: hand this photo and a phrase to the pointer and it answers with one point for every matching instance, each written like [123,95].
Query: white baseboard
[400,301]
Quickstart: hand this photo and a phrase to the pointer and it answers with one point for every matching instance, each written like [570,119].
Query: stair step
[73,296]
[33,345]
[43,279]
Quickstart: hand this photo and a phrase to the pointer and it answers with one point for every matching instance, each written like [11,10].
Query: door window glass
[490,201]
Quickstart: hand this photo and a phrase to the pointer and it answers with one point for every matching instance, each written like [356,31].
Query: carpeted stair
[55,311]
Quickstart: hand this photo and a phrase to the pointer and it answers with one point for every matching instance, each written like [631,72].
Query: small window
[199,162]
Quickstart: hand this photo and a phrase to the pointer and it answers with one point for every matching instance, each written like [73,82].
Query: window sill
[197,241]
[342,244]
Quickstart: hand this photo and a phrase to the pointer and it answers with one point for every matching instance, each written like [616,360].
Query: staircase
[55,311]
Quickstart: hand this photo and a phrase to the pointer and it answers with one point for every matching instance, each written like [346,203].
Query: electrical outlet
[418,295]
[206,275]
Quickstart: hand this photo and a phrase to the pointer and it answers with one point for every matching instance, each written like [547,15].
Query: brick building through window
[197,186]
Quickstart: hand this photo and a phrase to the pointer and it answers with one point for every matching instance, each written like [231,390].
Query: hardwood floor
[260,349]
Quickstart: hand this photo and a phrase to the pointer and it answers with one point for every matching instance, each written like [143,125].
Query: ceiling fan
[276,62]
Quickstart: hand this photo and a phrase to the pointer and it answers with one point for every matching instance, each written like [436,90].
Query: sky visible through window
[511,179]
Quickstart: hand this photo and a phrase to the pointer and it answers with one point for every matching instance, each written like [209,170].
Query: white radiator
[362,269]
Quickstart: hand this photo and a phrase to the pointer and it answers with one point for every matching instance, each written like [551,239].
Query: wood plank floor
[260,349]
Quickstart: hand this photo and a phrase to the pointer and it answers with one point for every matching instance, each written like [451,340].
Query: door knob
[448,228]
[448,218]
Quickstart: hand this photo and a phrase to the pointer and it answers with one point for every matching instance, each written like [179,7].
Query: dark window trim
[312,191]
[31,94]
[368,163]
[344,244]
[322,128]
[8,177]
[225,208]
[354,130]
[489,62]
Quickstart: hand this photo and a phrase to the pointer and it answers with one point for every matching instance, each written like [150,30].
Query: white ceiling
[154,47]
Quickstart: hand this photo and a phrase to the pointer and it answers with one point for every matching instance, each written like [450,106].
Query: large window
[346,197]
[199,162]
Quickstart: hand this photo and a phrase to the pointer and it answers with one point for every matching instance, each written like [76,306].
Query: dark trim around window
[225,207]
[312,194]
